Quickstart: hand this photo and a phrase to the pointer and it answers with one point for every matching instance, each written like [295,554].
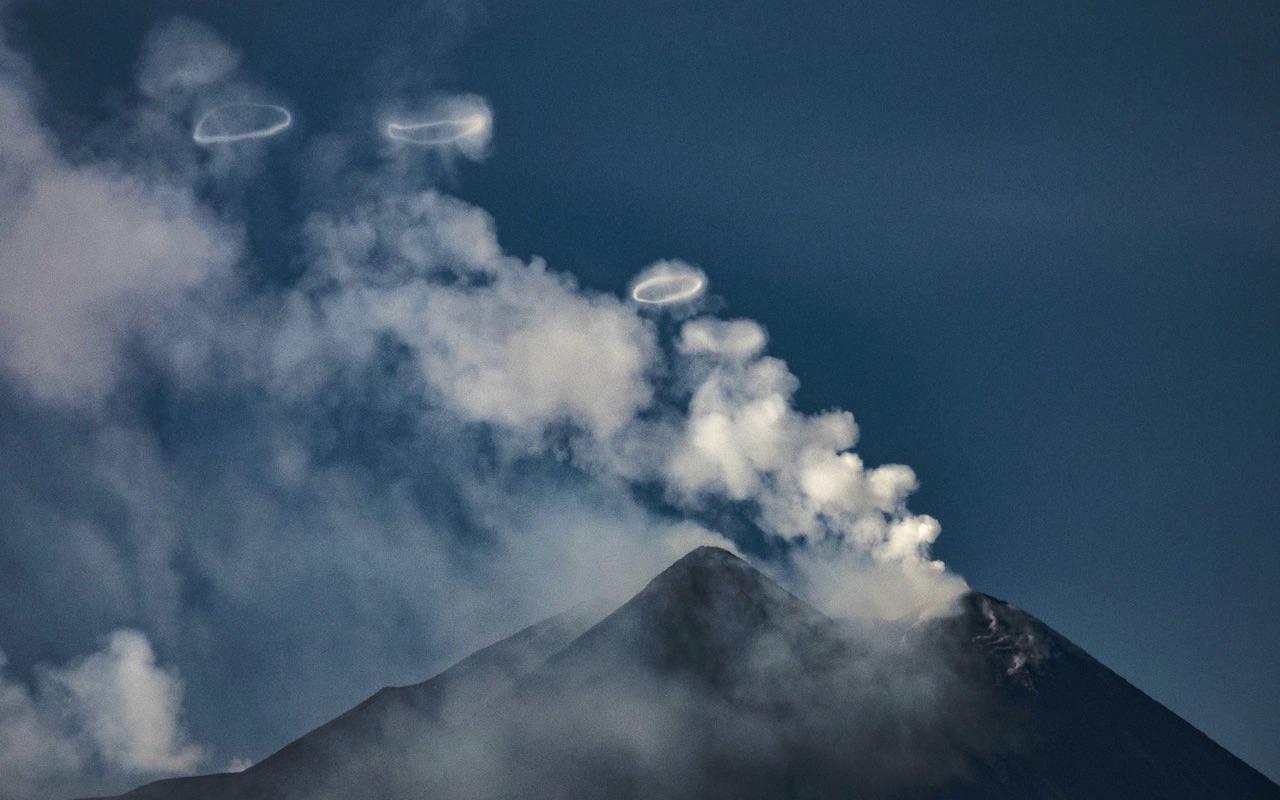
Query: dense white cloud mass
[127,706]
[418,432]
[115,709]
[181,55]
[742,439]
[498,340]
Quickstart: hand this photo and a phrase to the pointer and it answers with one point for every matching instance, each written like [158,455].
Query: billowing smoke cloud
[420,433]
[522,349]
[742,440]
[115,711]
[126,705]
[497,341]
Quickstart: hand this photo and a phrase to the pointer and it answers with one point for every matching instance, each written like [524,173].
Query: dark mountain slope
[699,618]
[714,681]
[376,727]
[1090,732]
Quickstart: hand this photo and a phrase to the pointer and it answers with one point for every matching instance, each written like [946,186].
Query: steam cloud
[114,709]
[419,433]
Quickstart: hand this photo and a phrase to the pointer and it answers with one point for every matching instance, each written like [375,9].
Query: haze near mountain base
[715,682]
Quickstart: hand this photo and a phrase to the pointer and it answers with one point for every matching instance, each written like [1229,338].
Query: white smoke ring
[439,132]
[203,136]
[668,283]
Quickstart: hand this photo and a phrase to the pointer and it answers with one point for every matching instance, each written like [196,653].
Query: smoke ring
[438,132]
[205,133]
[666,289]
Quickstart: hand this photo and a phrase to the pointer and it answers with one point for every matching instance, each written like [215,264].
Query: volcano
[715,682]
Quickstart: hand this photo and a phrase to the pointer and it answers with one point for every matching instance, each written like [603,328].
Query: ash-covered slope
[715,682]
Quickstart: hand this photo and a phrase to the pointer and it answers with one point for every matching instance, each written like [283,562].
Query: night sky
[1034,249]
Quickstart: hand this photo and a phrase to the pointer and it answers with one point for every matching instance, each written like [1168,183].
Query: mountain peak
[703,564]
[701,616]
[708,554]
[711,579]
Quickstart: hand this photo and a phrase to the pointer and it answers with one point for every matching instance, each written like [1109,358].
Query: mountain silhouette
[715,682]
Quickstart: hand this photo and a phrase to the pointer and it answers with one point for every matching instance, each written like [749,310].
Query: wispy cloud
[181,55]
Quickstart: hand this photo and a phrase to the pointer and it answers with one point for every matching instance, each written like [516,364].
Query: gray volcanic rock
[714,681]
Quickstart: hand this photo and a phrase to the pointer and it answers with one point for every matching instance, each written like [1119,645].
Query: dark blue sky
[1034,249]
